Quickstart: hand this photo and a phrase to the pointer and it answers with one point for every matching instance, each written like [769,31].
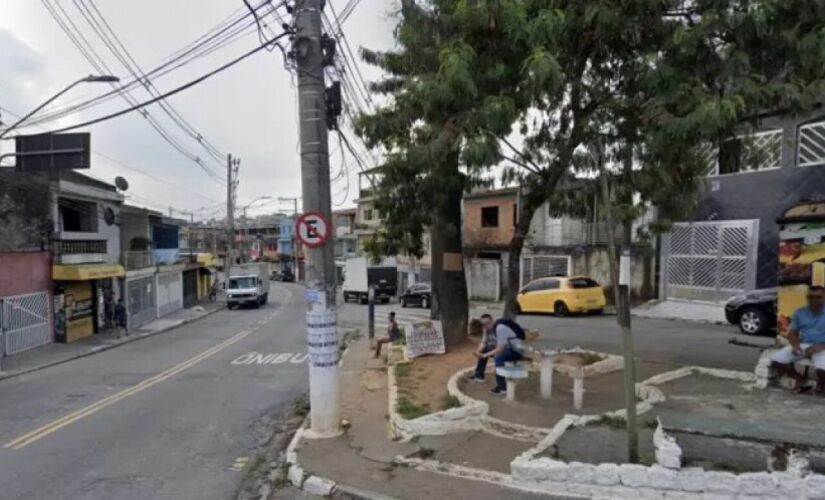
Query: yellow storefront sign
[87,272]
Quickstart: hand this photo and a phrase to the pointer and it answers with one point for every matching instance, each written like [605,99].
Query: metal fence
[812,144]
[709,260]
[141,300]
[25,321]
[137,259]
[543,266]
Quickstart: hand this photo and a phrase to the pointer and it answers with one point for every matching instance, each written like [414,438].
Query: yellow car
[562,296]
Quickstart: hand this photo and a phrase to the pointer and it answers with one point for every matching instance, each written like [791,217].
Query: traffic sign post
[312,229]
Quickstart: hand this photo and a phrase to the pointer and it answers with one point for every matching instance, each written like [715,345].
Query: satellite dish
[121,183]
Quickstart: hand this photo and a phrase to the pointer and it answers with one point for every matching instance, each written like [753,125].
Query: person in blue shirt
[508,349]
[807,340]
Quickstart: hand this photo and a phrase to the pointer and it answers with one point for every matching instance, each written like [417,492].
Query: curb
[106,347]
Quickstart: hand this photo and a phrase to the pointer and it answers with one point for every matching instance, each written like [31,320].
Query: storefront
[81,292]
[801,257]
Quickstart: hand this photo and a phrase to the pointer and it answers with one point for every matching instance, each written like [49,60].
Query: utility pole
[322,335]
[230,214]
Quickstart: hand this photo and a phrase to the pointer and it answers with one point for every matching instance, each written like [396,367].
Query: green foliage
[450,401]
[409,410]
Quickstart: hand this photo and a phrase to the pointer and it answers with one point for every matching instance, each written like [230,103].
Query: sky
[249,110]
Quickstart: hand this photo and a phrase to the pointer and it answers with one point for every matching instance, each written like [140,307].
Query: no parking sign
[312,229]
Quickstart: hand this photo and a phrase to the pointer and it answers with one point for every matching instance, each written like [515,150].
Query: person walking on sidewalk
[807,340]
[509,346]
[120,319]
[487,345]
[393,334]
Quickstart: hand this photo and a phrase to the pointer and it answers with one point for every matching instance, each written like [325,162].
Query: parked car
[287,275]
[419,294]
[754,312]
[562,296]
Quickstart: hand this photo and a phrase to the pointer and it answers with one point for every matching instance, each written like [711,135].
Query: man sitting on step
[807,340]
[509,346]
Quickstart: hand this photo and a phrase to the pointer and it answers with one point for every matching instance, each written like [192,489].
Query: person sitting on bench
[487,345]
[509,347]
[807,340]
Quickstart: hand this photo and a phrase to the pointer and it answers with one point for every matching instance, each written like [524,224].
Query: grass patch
[591,358]
[423,454]
[300,407]
[449,401]
[402,370]
[610,421]
[409,410]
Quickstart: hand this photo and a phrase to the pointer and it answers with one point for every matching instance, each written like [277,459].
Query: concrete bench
[512,374]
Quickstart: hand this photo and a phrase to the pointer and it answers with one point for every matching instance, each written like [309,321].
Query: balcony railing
[137,259]
[69,247]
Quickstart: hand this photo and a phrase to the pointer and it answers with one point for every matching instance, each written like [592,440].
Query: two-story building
[731,244]
[346,242]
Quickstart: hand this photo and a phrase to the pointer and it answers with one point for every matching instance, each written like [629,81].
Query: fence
[25,321]
[484,279]
[709,260]
[137,259]
[812,144]
[543,266]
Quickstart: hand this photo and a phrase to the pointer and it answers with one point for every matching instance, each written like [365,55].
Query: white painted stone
[320,486]
[633,475]
[757,483]
[668,453]
[815,486]
[789,485]
[291,457]
[607,474]
[556,469]
[721,482]
[660,477]
[581,473]
[295,475]
[798,464]
[692,479]
[540,469]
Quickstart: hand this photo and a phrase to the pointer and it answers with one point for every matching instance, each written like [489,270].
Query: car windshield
[248,282]
[583,283]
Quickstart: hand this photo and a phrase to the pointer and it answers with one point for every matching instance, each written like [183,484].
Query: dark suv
[754,312]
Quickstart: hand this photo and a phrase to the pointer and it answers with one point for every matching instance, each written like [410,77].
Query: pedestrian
[807,340]
[120,319]
[509,346]
[393,334]
[487,345]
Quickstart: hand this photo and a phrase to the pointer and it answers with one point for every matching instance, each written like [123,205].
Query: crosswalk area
[402,315]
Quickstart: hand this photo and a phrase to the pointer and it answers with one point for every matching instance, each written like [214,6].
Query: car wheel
[425,303]
[403,302]
[560,309]
[597,312]
[753,321]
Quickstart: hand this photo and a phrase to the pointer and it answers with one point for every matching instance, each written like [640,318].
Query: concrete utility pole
[322,335]
[230,215]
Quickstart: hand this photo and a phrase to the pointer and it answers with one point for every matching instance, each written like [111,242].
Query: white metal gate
[543,266]
[25,321]
[709,260]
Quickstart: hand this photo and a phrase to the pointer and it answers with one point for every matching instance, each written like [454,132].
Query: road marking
[56,425]
[257,358]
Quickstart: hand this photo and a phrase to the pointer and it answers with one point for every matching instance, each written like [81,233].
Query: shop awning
[85,272]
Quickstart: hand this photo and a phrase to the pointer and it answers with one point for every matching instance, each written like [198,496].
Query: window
[750,153]
[583,283]
[535,286]
[367,214]
[78,216]
[245,282]
[489,216]
[551,285]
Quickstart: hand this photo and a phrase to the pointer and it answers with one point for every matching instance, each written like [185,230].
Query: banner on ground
[424,337]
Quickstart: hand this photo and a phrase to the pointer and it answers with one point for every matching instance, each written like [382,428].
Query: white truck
[248,284]
[360,273]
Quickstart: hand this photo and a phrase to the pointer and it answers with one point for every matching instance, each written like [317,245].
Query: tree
[17,231]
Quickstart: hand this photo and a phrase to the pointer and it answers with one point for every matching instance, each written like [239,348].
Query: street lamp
[246,223]
[87,79]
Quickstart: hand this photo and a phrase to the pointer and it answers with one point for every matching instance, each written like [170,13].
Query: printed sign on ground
[424,337]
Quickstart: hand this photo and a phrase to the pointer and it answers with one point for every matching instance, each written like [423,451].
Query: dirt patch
[422,383]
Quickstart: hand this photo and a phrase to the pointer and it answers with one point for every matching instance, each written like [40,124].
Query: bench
[512,374]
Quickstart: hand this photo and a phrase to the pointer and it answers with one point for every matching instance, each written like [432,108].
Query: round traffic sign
[312,229]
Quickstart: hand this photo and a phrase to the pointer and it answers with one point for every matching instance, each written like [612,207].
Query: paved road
[681,342]
[163,418]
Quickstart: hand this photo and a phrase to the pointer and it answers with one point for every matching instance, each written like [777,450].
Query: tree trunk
[621,294]
[450,302]
[525,215]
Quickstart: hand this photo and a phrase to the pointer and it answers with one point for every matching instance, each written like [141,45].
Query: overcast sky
[249,110]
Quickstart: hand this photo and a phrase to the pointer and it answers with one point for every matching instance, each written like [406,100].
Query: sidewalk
[56,353]
[361,462]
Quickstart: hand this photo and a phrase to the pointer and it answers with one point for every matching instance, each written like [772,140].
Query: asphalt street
[174,416]
[680,342]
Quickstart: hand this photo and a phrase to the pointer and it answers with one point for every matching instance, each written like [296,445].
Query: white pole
[546,375]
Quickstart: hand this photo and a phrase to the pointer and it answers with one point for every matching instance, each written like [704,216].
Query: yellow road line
[93,408]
